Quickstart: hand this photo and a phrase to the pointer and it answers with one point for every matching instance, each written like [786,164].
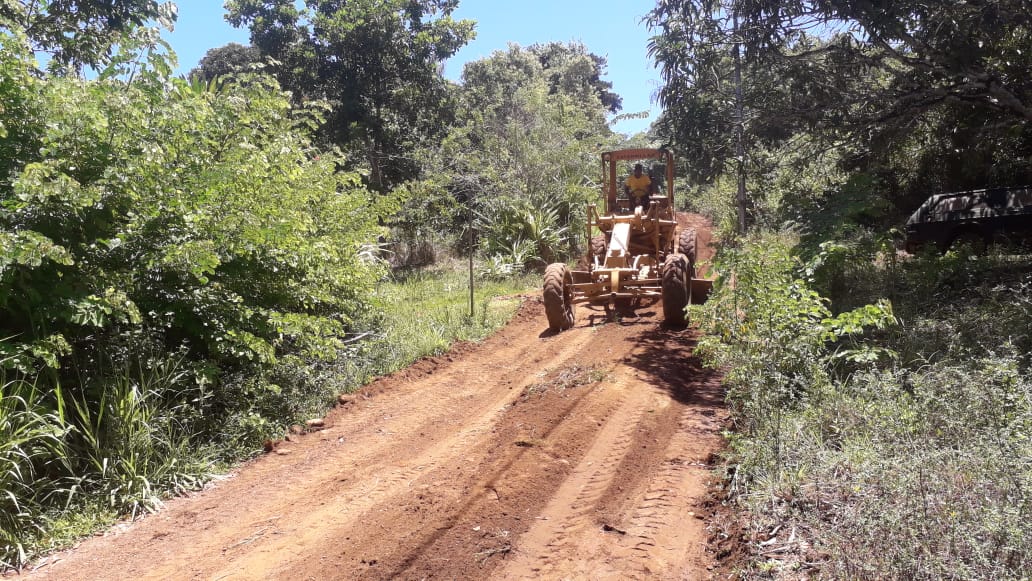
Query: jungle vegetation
[190,264]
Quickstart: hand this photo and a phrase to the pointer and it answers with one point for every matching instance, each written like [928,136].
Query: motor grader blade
[701,289]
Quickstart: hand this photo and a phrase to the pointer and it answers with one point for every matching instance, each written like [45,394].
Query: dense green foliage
[571,69]
[523,155]
[377,63]
[77,33]
[226,61]
[912,99]
[178,265]
[164,205]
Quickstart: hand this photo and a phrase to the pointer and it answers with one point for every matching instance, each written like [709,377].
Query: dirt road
[581,455]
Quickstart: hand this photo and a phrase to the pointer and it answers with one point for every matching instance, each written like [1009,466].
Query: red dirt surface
[531,455]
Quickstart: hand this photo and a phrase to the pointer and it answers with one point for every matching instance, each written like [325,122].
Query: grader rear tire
[599,247]
[558,297]
[676,289]
[687,244]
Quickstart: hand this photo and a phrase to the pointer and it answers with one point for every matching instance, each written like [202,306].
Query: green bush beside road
[884,444]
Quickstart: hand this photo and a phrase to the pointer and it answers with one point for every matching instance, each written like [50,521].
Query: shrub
[523,232]
[177,262]
[194,215]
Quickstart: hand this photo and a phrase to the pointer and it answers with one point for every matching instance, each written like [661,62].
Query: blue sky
[609,28]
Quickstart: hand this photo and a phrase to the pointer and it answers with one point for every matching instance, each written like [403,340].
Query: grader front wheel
[676,289]
[687,244]
[558,296]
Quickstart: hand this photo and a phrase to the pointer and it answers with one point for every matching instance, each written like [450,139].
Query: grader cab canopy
[636,250]
[661,174]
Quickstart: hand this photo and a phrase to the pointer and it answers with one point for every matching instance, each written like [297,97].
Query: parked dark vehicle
[977,217]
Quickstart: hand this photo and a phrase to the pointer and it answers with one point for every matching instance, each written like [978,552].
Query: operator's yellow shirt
[638,183]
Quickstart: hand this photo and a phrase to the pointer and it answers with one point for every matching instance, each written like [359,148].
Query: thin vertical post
[739,128]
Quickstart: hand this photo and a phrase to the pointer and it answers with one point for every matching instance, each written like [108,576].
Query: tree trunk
[739,132]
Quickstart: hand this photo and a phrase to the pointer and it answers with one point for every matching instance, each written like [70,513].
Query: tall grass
[896,453]
[427,311]
[140,438]
[33,457]
[114,447]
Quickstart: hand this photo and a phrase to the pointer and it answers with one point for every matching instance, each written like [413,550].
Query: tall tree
[711,96]
[694,50]
[524,152]
[80,32]
[906,91]
[859,66]
[570,68]
[930,52]
[225,60]
[376,61]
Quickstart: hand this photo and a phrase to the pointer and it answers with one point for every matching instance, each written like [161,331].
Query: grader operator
[639,187]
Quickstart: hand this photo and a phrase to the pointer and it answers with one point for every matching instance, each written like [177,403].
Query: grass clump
[569,377]
[31,442]
[884,447]
[72,462]
[425,312]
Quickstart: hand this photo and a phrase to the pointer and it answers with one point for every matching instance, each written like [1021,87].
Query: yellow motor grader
[639,252]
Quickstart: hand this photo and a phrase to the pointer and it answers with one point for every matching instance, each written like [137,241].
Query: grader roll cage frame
[640,252]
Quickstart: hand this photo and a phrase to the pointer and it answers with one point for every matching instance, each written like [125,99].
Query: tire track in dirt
[581,491]
[483,463]
[626,511]
[523,461]
[404,427]
[657,521]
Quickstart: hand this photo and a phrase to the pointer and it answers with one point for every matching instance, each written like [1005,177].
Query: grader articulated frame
[639,253]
